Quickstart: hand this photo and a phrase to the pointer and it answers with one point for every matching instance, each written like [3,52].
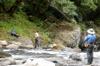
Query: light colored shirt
[90,38]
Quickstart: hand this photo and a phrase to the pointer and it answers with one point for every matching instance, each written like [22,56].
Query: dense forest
[73,9]
[27,16]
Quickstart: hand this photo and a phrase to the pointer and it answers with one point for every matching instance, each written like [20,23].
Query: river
[60,58]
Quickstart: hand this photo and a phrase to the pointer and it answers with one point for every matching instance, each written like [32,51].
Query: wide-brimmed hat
[91,31]
[36,34]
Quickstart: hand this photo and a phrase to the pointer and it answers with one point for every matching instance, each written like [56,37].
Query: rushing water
[30,53]
[60,57]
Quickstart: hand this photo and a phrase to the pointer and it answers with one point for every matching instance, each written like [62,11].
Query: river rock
[16,43]
[77,50]
[12,46]
[26,43]
[3,42]
[7,61]
[67,49]
[53,46]
[38,62]
[26,46]
[0,46]
[19,62]
[4,54]
[75,57]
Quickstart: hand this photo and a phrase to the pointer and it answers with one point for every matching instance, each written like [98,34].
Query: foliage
[89,4]
[9,6]
[22,26]
[86,8]
[67,6]
[7,3]
[72,8]
[97,22]
[35,7]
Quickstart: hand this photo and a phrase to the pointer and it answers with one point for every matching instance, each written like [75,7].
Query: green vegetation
[22,26]
[28,16]
[67,6]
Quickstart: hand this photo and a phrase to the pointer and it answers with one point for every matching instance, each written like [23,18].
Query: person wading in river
[37,40]
[89,41]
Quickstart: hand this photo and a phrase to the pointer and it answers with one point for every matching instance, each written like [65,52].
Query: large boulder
[66,34]
[26,43]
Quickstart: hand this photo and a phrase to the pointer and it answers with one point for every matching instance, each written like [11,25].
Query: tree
[67,6]
[36,7]
[89,4]
[86,8]
[9,6]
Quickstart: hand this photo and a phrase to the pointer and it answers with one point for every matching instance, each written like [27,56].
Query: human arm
[86,38]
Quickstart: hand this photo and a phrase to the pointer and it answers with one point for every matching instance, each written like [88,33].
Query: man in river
[37,40]
[89,40]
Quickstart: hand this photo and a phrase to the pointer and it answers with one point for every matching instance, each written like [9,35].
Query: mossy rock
[4,54]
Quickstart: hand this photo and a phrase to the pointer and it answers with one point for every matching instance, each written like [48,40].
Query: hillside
[26,28]
[20,24]
[58,22]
